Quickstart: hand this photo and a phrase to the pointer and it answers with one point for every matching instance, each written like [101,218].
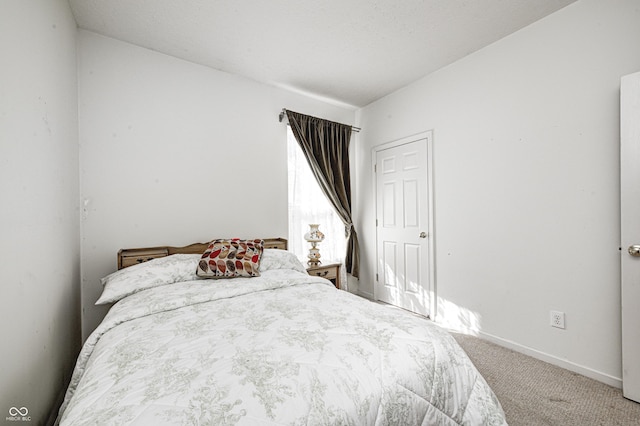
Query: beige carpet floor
[533,392]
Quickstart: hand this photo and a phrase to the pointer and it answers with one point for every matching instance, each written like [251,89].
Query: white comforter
[281,349]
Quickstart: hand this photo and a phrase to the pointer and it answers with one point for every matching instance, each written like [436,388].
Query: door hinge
[375,168]
[376,276]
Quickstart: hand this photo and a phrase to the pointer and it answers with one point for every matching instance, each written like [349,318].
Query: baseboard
[365,294]
[562,363]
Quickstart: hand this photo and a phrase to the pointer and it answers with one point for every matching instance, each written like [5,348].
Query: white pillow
[177,268]
[154,273]
[280,259]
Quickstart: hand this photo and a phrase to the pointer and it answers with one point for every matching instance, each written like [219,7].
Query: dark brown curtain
[325,144]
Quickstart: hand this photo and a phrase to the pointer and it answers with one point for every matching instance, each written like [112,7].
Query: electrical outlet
[557,319]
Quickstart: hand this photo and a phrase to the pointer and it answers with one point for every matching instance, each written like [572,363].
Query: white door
[630,233]
[403,224]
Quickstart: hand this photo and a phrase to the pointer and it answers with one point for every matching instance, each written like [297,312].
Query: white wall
[173,153]
[39,232]
[526,150]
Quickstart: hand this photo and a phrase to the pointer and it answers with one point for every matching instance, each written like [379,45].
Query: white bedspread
[281,349]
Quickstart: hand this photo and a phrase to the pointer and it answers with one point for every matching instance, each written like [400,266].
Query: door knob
[424,235]
[634,250]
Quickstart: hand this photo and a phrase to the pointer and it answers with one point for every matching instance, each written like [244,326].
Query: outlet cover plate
[557,319]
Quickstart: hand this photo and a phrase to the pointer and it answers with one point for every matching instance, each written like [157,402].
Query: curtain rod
[283,115]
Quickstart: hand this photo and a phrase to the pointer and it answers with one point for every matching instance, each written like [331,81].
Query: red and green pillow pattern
[229,258]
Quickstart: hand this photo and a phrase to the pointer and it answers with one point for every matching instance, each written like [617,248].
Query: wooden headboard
[133,256]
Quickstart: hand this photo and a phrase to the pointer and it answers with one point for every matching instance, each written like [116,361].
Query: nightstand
[330,272]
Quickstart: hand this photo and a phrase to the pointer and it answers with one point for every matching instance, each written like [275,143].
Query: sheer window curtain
[307,204]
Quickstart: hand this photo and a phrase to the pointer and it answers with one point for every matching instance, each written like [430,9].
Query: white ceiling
[349,52]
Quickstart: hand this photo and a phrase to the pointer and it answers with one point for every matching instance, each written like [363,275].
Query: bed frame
[133,256]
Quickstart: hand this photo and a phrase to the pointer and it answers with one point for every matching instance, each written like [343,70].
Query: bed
[274,347]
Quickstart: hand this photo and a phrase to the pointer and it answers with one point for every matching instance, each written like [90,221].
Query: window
[307,204]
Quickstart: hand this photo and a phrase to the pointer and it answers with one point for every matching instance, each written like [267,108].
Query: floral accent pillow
[229,258]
